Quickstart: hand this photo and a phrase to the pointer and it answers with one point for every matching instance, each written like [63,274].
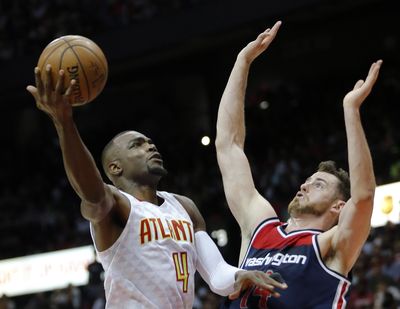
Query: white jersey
[153,262]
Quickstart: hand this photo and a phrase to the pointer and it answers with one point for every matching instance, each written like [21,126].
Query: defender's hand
[247,279]
[362,89]
[53,101]
[259,45]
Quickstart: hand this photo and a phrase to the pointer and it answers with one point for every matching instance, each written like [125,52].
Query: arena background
[169,61]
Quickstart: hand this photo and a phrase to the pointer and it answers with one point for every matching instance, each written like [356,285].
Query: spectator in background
[6,303]
[94,289]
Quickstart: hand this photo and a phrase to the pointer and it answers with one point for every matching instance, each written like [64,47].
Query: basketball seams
[83,70]
[87,55]
[62,57]
[94,54]
[57,46]
[103,63]
[50,53]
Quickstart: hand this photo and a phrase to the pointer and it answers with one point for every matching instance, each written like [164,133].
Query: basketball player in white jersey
[150,243]
[329,219]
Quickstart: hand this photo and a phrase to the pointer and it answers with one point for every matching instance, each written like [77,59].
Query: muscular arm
[247,205]
[84,176]
[97,198]
[354,220]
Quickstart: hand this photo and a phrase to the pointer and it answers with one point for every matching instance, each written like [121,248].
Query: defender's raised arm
[246,204]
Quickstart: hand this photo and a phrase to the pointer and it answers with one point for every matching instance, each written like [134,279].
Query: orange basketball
[82,60]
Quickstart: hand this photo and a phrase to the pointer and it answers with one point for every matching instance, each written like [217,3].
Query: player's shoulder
[326,240]
[184,200]
[192,210]
[117,193]
[187,203]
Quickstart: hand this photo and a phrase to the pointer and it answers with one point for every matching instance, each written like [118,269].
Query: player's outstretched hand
[362,88]
[53,101]
[259,45]
[247,279]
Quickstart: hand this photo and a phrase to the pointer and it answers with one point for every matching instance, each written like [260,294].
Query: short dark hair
[341,174]
[106,151]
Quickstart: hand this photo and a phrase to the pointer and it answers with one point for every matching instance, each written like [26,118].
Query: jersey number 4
[181,269]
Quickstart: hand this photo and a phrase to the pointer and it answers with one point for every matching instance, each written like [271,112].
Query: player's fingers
[371,68]
[261,37]
[48,85]
[38,81]
[373,72]
[374,66]
[267,283]
[271,285]
[278,285]
[275,294]
[33,91]
[234,295]
[277,280]
[68,92]
[271,33]
[276,27]
[358,84]
[60,82]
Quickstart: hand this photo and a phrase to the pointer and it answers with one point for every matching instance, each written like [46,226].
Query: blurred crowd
[29,25]
[289,132]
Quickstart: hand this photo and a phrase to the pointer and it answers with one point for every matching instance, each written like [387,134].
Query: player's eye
[134,145]
[318,185]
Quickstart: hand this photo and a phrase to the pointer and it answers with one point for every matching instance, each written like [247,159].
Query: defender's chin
[294,206]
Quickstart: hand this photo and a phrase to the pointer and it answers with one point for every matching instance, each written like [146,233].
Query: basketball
[82,60]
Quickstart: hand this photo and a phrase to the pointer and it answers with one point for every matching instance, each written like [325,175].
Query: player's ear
[337,206]
[114,168]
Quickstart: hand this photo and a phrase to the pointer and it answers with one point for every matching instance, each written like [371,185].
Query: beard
[157,170]
[296,208]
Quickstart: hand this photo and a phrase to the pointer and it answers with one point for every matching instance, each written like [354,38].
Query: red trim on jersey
[270,238]
[342,301]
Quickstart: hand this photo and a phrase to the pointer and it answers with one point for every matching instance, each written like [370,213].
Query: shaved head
[110,152]
[132,156]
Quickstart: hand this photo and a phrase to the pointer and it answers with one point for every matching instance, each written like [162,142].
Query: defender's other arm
[355,218]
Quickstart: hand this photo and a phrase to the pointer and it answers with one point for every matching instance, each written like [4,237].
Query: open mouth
[156,156]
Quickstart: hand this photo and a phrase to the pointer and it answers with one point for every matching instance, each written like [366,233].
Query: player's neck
[304,222]
[143,193]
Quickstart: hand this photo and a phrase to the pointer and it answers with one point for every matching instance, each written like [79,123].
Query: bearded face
[298,207]
[157,170]
[316,195]
[138,158]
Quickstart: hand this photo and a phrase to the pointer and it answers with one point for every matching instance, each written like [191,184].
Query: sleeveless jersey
[153,262]
[296,256]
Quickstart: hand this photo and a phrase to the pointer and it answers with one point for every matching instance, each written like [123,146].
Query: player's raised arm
[246,204]
[79,164]
[355,218]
